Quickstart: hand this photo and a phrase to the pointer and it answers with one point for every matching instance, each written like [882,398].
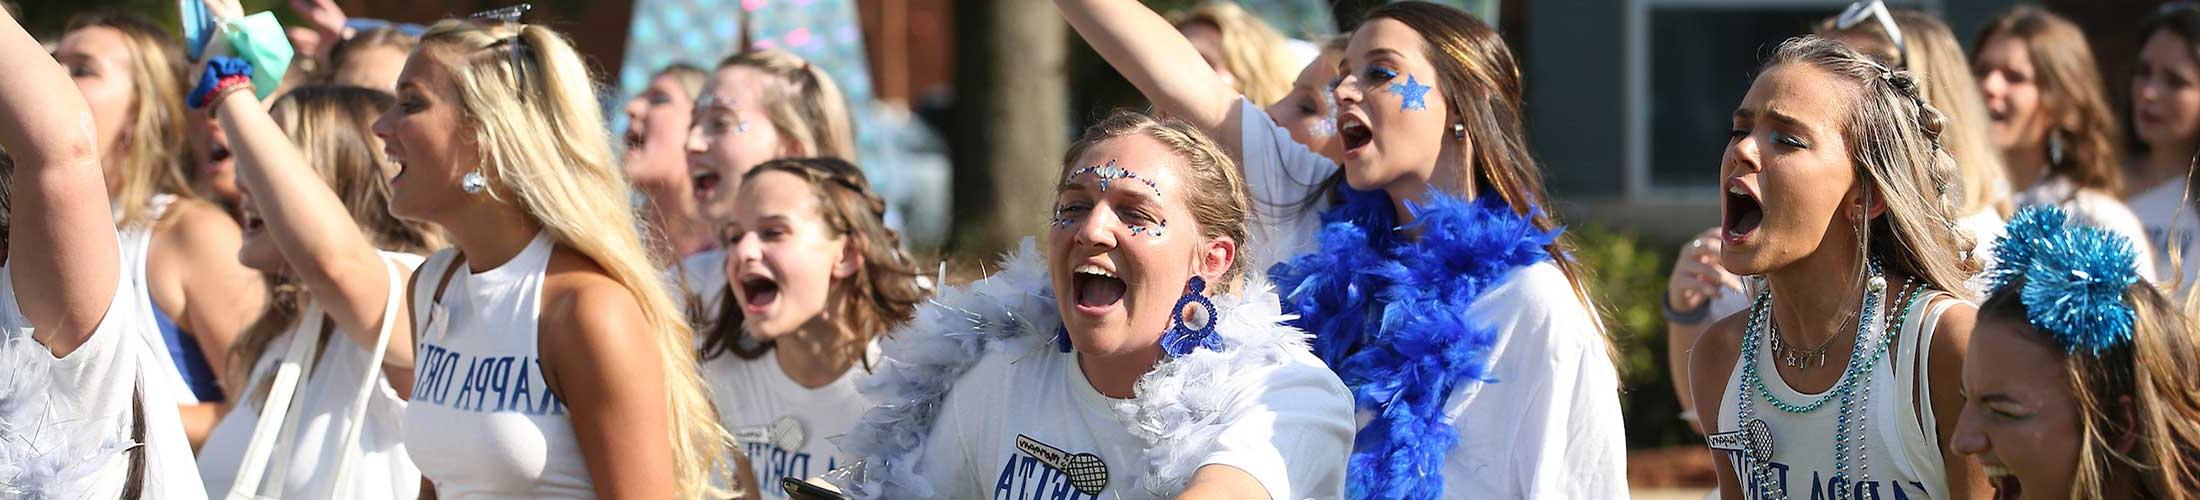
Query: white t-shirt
[765,410]
[704,276]
[1550,427]
[2170,222]
[2097,209]
[380,468]
[1296,409]
[1280,174]
[92,391]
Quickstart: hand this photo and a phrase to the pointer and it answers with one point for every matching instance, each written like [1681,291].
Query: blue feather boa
[1403,362]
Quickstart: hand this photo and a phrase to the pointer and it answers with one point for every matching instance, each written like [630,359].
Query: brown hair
[2155,370]
[148,157]
[1893,138]
[386,37]
[2071,93]
[1214,189]
[1251,50]
[882,295]
[806,107]
[331,127]
[1937,57]
[1480,81]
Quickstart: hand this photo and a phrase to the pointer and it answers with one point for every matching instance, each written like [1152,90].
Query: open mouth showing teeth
[1355,133]
[1097,288]
[633,139]
[758,293]
[705,182]
[1743,213]
[218,154]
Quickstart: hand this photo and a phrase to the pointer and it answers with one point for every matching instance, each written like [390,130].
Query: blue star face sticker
[1412,94]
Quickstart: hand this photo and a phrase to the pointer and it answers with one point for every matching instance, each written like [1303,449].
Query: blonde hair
[688,77]
[1251,51]
[331,126]
[148,157]
[1938,58]
[882,295]
[806,106]
[526,95]
[1893,137]
[385,37]
[2071,94]
[2155,370]
[1214,189]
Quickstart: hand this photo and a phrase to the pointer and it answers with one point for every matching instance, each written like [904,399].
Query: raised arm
[315,232]
[1158,60]
[61,243]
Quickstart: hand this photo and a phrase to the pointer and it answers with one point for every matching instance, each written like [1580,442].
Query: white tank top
[482,422]
[163,378]
[1894,447]
[380,468]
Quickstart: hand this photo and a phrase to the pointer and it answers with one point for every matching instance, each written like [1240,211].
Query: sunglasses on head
[1866,10]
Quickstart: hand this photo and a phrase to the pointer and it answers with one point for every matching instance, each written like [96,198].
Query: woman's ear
[851,257]
[2128,422]
[1215,257]
[790,148]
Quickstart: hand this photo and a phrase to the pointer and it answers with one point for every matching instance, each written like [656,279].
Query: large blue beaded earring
[1193,324]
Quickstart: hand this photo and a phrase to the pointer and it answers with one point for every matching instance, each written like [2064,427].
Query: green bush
[1628,273]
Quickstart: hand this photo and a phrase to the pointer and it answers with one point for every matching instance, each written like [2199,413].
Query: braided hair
[1893,134]
[884,292]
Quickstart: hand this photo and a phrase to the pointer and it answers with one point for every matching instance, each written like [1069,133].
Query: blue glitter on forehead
[1412,93]
[709,100]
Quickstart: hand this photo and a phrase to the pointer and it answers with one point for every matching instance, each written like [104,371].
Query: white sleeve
[1549,425]
[946,462]
[1292,431]
[1282,176]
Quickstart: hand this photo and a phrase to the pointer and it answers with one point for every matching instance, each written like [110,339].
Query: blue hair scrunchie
[217,69]
[2074,278]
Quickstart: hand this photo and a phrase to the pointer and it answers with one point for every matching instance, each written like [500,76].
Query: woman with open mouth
[1700,291]
[2079,383]
[817,278]
[655,160]
[553,361]
[314,195]
[2051,119]
[1131,357]
[758,105]
[1440,290]
[2165,117]
[1841,376]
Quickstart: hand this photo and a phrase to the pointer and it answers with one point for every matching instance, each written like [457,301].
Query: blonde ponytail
[525,93]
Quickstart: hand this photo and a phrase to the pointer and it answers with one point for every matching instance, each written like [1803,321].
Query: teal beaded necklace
[1851,390]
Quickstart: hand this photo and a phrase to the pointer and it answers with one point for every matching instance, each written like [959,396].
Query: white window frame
[1638,184]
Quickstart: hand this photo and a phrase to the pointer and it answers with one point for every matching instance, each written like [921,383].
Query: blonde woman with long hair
[316,212]
[552,361]
[181,252]
[758,105]
[2079,383]
[1842,373]
[1245,52]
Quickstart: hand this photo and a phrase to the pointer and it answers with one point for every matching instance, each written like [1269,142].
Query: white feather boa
[48,451]
[1180,408]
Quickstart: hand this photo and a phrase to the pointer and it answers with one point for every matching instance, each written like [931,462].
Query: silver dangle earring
[473,182]
[1458,131]
[2054,148]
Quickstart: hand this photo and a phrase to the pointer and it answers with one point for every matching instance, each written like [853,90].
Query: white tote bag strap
[296,364]
[366,387]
